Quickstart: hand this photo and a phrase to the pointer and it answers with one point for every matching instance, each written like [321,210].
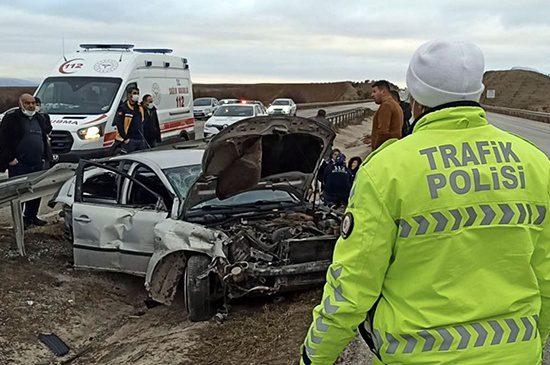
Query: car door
[137,198]
[108,231]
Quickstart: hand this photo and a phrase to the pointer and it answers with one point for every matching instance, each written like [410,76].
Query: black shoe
[39,222]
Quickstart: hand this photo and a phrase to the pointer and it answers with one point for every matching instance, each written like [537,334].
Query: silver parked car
[204,107]
[243,227]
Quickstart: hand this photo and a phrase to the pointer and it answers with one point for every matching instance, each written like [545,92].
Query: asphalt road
[536,132]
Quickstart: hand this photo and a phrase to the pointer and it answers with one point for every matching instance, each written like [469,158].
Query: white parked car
[282,106]
[204,107]
[227,115]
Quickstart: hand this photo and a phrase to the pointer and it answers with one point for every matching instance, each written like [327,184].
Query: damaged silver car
[244,227]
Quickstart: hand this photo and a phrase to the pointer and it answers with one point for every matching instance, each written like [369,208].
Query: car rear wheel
[198,290]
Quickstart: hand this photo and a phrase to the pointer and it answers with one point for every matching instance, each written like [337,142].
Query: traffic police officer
[444,255]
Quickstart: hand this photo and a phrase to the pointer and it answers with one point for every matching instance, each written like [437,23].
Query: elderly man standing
[24,148]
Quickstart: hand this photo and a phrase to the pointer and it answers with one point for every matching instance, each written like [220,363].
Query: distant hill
[299,92]
[11,82]
[521,89]
[10,95]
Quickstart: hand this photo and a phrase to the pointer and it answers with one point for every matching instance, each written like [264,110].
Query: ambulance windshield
[78,95]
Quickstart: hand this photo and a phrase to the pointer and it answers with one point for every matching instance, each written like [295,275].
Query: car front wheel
[199,289]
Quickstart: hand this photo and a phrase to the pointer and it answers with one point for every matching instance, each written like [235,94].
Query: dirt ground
[104,320]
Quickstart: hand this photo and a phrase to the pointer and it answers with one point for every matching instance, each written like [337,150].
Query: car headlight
[94,132]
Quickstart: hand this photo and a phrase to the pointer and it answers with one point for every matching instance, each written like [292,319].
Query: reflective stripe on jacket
[123,119]
[448,233]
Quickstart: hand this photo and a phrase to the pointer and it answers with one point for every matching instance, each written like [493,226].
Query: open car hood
[267,152]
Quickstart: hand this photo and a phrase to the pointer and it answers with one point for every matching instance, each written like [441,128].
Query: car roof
[166,159]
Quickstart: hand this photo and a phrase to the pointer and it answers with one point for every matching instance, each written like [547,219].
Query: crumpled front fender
[175,240]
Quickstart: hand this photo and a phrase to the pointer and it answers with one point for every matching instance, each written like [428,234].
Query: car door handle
[83,218]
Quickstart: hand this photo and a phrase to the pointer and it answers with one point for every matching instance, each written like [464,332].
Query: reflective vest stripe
[472,216]
[460,337]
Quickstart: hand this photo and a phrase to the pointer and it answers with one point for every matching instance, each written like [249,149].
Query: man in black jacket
[407,113]
[129,123]
[151,128]
[24,148]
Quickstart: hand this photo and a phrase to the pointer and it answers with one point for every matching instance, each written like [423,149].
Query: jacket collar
[455,115]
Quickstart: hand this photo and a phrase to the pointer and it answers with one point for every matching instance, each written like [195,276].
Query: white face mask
[135,98]
[150,106]
[29,113]
[37,109]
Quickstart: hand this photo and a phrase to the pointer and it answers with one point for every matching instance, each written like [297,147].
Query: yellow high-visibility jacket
[445,250]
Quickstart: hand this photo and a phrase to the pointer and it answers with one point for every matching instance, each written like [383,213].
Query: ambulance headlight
[94,132]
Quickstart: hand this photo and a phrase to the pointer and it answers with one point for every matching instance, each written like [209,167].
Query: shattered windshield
[250,197]
[183,177]
[78,95]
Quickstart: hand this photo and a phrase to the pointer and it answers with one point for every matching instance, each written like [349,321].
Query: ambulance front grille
[61,141]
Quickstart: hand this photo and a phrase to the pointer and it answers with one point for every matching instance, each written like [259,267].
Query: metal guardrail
[303,106]
[520,113]
[348,117]
[23,188]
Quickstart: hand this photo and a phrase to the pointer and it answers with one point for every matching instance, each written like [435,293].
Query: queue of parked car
[223,113]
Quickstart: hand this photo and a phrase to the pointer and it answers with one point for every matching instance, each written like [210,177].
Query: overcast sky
[272,41]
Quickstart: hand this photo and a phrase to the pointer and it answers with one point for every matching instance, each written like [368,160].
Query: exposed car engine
[279,251]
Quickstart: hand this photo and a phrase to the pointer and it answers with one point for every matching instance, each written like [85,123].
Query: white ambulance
[83,93]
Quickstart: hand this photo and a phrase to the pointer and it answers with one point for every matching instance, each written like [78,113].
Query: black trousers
[32,206]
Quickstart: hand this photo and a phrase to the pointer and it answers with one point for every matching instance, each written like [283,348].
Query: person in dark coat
[24,148]
[338,182]
[407,113]
[151,127]
[129,123]
[353,165]
[321,117]
[321,174]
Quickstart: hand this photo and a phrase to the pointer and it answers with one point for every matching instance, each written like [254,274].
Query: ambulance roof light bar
[153,50]
[95,46]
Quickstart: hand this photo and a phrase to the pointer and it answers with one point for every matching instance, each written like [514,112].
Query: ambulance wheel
[184,136]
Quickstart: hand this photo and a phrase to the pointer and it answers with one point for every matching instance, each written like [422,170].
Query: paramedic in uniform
[129,122]
[444,254]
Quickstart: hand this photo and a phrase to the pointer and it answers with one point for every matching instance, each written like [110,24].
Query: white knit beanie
[441,72]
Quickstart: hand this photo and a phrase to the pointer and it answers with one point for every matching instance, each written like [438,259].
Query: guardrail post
[18,226]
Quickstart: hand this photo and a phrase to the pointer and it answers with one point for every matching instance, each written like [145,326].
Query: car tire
[184,136]
[197,292]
